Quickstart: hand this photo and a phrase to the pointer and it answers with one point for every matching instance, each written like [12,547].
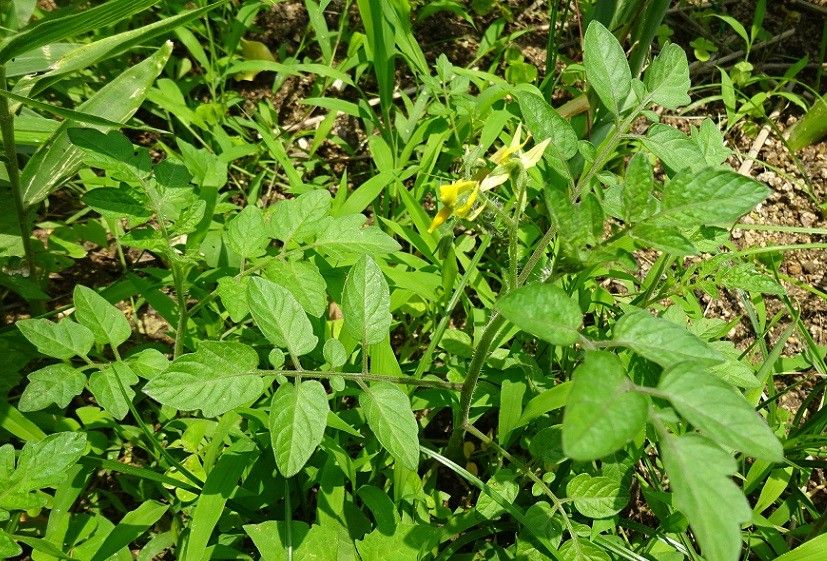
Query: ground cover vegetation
[375,280]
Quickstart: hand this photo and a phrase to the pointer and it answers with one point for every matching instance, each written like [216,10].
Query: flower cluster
[458,198]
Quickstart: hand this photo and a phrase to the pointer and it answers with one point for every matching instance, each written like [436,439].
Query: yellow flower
[508,156]
[457,199]
[503,154]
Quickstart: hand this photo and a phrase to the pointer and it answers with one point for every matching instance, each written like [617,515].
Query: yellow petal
[440,218]
[529,159]
[494,179]
[515,140]
[463,209]
[448,194]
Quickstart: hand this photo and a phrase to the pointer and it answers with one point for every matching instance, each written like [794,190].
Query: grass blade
[117,101]
[57,29]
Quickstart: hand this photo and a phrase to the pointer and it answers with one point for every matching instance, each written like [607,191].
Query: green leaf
[304,281]
[233,294]
[661,341]
[607,70]
[105,321]
[597,497]
[84,55]
[221,483]
[366,302]
[702,489]
[217,377]
[667,78]
[709,197]
[132,526]
[504,483]
[112,152]
[298,417]
[117,101]
[296,218]
[8,547]
[44,463]
[109,384]
[408,542]
[117,202]
[148,363]
[676,150]
[549,400]
[602,413]
[663,238]
[347,234]
[637,189]
[246,235]
[544,122]
[280,317]
[389,416]
[812,550]
[60,340]
[334,353]
[719,412]
[56,29]
[56,383]
[747,278]
[273,537]
[540,520]
[582,550]
[543,310]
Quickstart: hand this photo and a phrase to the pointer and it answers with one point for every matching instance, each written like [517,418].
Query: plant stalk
[13,169]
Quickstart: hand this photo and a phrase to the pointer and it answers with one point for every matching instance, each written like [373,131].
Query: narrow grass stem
[427,358]
[178,276]
[558,504]
[13,169]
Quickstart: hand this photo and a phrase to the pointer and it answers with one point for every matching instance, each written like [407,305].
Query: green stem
[606,149]
[558,504]
[470,384]
[183,313]
[356,377]
[13,169]
[427,358]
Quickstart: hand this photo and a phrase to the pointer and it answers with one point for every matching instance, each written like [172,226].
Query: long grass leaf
[117,101]
[58,29]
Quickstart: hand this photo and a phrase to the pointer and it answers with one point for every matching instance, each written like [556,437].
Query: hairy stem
[358,377]
[470,384]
